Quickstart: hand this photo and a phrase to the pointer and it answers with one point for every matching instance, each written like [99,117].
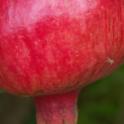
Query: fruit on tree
[50,49]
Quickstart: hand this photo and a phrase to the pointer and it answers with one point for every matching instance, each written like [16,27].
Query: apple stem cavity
[57,109]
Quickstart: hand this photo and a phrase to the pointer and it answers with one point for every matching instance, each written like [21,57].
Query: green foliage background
[99,103]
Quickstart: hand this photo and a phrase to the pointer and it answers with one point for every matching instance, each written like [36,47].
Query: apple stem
[57,109]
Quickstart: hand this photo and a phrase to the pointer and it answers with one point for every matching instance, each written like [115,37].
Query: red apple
[50,49]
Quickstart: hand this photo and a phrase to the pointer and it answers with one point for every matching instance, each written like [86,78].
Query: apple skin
[54,46]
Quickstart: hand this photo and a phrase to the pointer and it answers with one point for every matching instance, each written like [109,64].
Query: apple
[50,49]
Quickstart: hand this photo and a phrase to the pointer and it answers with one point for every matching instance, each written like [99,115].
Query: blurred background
[99,103]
